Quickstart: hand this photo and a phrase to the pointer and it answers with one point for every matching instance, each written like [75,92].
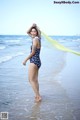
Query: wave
[2,47]
[9,57]
[76,40]
[68,40]
[12,41]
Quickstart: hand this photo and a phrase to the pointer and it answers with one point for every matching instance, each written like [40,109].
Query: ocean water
[12,46]
[16,95]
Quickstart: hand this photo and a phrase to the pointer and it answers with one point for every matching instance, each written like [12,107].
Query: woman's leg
[38,97]
[33,78]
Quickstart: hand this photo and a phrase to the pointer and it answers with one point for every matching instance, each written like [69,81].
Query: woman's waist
[36,56]
[37,53]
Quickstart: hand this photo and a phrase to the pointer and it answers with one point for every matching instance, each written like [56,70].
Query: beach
[59,80]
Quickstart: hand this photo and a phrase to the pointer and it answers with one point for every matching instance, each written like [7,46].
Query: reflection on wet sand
[55,105]
[35,111]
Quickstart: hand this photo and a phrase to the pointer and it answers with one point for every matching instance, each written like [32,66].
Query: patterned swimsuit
[36,58]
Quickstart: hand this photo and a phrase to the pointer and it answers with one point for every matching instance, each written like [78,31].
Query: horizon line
[41,35]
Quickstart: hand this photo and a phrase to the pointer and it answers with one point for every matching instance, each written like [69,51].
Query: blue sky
[16,16]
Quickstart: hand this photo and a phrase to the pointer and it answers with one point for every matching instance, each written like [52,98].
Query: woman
[34,57]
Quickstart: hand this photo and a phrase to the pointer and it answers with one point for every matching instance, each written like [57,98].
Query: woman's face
[33,32]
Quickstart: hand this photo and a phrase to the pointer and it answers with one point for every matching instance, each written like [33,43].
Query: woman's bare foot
[38,98]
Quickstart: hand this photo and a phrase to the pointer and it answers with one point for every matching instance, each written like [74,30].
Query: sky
[16,17]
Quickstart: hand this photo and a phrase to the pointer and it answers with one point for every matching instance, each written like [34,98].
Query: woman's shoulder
[37,40]
[36,37]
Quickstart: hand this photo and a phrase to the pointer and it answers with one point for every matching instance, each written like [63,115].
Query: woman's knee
[33,79]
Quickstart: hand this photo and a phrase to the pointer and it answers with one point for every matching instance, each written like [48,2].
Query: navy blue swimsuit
[36,58]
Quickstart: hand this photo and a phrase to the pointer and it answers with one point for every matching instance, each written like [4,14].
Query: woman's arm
[39,32]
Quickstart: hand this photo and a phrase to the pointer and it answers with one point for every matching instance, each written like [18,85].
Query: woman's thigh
[33,71]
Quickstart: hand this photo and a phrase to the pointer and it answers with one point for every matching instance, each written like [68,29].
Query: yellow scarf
[58,45]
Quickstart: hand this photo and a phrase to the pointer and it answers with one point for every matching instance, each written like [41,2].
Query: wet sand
[17,97]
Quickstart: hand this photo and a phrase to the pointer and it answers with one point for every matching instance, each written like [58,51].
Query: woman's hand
[34,25]
[24,63]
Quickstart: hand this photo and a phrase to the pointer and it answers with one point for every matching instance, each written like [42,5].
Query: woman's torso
[36,57]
